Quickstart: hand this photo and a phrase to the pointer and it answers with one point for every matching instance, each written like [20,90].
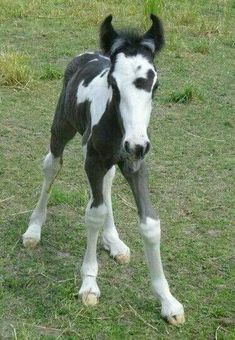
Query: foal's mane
[129,40]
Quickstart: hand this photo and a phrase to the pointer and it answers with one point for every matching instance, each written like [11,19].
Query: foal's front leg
[96,213]
[150,230]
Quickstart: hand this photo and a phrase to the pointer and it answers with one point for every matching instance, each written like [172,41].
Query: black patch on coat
[145,83]
[95,171]
[106,137]
[61,134]
[77,63]
[93,69]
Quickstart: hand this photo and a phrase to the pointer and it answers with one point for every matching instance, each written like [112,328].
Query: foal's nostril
[127,147]
[139,151]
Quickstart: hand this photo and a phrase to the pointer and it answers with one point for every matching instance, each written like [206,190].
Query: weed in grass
[50,72]
[14,69]
[183,96]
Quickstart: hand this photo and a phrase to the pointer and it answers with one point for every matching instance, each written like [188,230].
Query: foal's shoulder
[88,63]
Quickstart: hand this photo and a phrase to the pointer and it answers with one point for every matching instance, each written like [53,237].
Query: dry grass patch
[14,70]
[208,27]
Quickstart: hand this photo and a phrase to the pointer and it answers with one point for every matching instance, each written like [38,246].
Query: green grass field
[191,164]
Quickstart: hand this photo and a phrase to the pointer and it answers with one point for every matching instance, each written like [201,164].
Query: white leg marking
[51,167]
[111,240]
[172,310]
[94,220]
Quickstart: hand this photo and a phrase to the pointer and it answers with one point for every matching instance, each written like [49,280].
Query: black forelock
[131,36]
[130,44]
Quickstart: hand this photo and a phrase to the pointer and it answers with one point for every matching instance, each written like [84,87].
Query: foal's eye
[140,83]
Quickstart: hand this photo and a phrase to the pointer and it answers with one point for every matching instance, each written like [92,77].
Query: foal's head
[133,78]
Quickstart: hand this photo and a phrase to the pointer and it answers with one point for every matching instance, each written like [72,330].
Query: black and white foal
[107,98]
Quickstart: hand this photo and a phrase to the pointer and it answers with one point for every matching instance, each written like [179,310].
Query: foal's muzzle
[137,151]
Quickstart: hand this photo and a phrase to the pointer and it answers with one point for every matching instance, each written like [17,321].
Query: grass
[153,6]
[14,70]
[50,72]
[201,46]
[191,177]
[184,96]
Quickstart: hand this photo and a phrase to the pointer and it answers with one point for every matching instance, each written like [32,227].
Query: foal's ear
[107,35]
[154,37]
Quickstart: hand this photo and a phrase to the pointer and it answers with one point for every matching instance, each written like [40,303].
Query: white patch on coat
[84,53]
[135,104]
[103,56]
[98,93]
[151,230]
[96,59]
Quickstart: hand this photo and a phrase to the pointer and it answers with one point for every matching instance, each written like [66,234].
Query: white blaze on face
[135,103]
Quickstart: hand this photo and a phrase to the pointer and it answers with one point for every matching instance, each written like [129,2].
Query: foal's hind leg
[51,167]
[111,240]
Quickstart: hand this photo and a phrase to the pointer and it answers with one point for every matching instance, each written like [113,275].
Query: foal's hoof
[123,258]
[173,312]
[176,320]
[89,299]
[117,249]
[30,243]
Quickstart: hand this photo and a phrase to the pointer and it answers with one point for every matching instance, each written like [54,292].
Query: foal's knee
[51,165]
[95,216]
[150,230]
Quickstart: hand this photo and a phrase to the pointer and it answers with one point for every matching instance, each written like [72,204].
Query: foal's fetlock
[117,249]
